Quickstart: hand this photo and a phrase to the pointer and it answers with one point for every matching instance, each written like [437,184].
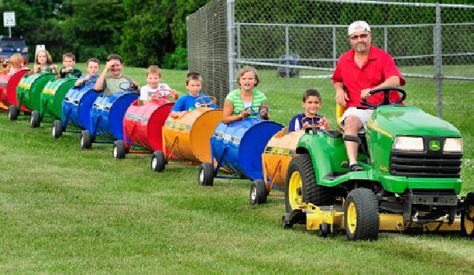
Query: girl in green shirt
[237,103]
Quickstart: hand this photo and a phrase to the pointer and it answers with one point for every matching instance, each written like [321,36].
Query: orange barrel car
[187,138]
[276,157]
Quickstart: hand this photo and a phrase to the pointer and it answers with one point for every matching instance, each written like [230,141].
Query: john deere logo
[435,145]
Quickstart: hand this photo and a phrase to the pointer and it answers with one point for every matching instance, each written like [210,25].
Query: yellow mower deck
[315,217]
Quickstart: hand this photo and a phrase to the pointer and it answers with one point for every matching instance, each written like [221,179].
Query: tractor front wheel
[467,216]
[258,192]
[301,185]
[361,215]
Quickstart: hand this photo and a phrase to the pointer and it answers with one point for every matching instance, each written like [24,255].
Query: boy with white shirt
[154,89]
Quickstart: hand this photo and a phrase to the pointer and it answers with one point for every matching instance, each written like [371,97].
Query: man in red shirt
[358,71]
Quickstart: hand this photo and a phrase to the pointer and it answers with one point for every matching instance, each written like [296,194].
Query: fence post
[438,62]
[334,47]
[230,43]
[239,50]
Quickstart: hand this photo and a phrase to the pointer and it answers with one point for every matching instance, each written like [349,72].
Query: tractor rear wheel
[467,216]
[301,185]
[12,112]
[57,129]
[158,161]
[361,215]
[258,192]
[35,120]
[119,149]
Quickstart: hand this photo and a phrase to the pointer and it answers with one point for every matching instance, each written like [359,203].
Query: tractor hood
[410,121]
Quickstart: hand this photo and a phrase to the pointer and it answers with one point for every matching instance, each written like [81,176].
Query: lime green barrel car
[28,91]
[51,100]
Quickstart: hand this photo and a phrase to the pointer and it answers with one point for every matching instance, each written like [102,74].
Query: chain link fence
[295,45]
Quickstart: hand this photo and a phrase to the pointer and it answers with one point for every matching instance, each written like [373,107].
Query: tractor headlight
[453,145]
[414,144]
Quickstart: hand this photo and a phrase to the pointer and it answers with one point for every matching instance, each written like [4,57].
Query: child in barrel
[44,63]
[155,89]
[68,70]
[193,99]
[311,104]
[111,80]
[92,67]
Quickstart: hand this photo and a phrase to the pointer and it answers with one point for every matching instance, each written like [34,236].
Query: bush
[176,60]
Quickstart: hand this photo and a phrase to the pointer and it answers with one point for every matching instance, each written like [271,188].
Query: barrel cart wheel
[35,119]
[258,192]
[57,130]
[158,161]
[12,112]
[467,216]
[86,140]
[361,215]
[119,149]
[206,174]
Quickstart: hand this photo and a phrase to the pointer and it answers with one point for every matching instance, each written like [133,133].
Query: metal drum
[12,85]
[238,146]
[28,91]
[142,126]
[53,95]
[106,117]
[278,153]
[189,136]
[77,105]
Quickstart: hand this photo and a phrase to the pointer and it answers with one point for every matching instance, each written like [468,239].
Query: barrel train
[411,178]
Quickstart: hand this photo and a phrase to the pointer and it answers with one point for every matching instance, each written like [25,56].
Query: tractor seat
[363,149]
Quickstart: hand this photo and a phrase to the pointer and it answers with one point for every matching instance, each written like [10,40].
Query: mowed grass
[64,210]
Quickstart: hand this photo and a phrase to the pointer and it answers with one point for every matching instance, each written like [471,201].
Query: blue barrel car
[237,147]
[106,118]
[76,108]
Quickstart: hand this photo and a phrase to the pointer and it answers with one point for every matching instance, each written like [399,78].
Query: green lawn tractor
[410,182]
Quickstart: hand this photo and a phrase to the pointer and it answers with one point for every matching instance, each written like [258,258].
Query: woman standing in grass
[238,103]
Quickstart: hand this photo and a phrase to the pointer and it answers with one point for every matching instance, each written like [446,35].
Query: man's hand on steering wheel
[365,93]
[386,96]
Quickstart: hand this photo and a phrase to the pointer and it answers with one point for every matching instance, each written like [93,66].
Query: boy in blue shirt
[311,104]
[189,102]
[90,78]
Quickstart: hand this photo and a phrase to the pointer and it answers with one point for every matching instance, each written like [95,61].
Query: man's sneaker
[355,167]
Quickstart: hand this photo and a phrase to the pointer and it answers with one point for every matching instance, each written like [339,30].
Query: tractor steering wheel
[386,99]
[200,101]
[315,127]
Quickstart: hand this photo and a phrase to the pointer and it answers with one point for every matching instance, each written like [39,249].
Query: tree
[94,28]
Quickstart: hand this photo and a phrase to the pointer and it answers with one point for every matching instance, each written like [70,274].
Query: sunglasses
[361,36]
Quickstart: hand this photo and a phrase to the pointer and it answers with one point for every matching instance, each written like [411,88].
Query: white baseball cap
[358,26]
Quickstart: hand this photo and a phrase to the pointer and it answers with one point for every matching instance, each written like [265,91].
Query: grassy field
[64,210]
